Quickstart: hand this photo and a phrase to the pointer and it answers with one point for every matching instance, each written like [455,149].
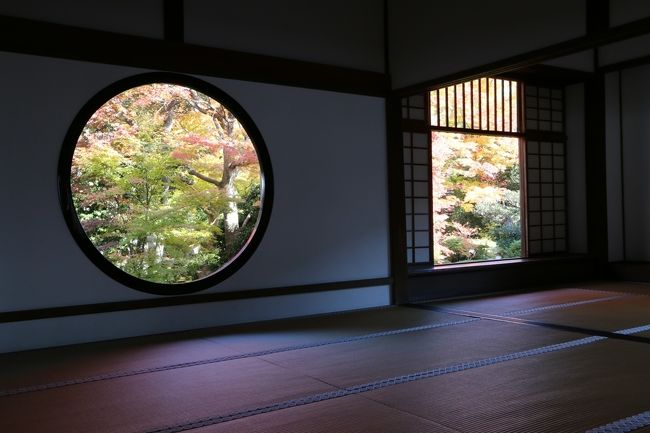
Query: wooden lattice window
[532,116]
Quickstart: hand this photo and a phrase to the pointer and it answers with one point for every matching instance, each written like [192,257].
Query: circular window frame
[72,220]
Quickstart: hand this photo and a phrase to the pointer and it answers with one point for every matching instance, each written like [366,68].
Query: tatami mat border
[624,425]
[120,374]
[371,386]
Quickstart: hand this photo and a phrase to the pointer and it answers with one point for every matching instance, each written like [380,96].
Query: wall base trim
[109,307]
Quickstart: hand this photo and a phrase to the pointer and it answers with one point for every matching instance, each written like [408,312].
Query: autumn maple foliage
[166,183]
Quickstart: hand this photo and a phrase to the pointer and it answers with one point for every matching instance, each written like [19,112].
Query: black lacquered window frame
[70,215]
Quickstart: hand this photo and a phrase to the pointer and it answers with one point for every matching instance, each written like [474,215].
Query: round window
[165,183]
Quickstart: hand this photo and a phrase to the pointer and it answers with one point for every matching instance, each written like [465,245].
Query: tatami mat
[631,287]
[419,370]
[367,361]
[145,402]
[90,361]
[516,302]
[37,367]
[351,414]
[561,392]
[613,315]
[314,330]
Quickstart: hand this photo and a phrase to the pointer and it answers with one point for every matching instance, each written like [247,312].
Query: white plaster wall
[624,50]
[636,160]
[576,180]
[430,39]
[624,11]
[336,32]
[141,17]
[329,220]
[82,329]
[613,151]
[582,61]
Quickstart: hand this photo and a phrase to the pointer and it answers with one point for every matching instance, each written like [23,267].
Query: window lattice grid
[417,179]
[546,197]
[414,107]
[417,186]
[544,109]
[485,104]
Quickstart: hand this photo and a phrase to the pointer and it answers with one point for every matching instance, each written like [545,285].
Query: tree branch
[217,183]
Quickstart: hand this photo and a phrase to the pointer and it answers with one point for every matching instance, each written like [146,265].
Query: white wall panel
[576,180]
[582,61]
[141,17]
[336,32]
[330,215]
[613,149]
[81,329]
[625,50]
[636,160]
[431,39]
[624,11]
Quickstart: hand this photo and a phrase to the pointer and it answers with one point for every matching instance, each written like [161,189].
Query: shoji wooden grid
[490,106]
[416,142]
[545,170]
[477,106]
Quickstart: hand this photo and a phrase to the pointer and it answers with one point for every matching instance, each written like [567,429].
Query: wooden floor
[572,359]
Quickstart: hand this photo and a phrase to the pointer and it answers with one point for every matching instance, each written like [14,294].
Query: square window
[533,190]
[406,139]
[421,205]
[533,161]
[420,156]
[547,217]
[547,232]
[422,255]
[534,233]
[420,172]
[420,189]
[416,101]
[534,204]
[534,219]
[408,192]
[420,140]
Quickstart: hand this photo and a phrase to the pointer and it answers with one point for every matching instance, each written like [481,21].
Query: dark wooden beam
[548,75]
[480,279]
[174,20]
[631,271]
[625,64]
[20,35]
[597,16]
[77,310]
[596,168]
[396,206]
[595,143]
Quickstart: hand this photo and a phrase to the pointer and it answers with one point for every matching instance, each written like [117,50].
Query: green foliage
[156,173]
[476,198]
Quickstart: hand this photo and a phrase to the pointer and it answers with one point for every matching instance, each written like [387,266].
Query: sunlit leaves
[157,171]
[475,186]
